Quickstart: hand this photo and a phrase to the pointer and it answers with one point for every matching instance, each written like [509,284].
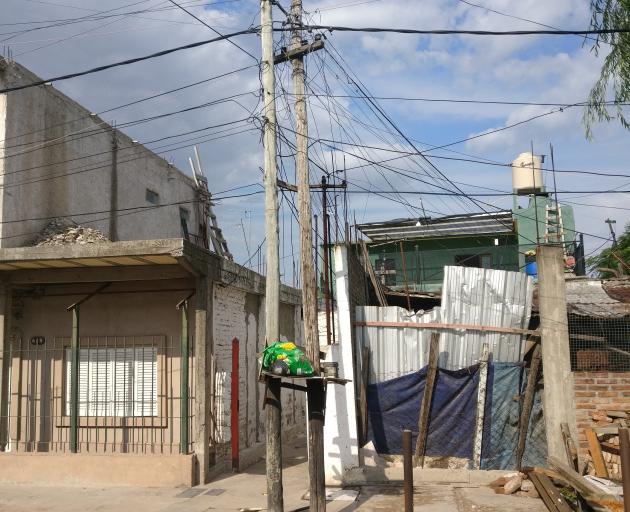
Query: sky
[55,37]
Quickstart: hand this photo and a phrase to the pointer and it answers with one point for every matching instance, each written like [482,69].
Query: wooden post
[624,447]
[316,401]
[528,403]
[234,405]
[425,407]
[481,406]
[273,407]
[309,300]
[407,470]
[272,289]
[555,348]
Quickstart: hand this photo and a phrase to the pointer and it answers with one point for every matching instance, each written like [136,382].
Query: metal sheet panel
[470,296]
[484,297]
[394,351]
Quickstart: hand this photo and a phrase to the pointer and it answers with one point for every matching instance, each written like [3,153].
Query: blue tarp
[506,381]
[394,405]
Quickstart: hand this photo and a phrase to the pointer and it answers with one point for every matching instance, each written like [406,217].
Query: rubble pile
[62,232]
[516,483]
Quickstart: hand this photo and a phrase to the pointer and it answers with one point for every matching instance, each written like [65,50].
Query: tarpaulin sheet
[394,405]
[506,382]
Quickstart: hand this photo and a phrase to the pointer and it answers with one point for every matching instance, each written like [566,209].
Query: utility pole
[275,501]
[315,389]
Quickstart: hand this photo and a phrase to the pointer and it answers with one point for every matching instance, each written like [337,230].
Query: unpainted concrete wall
[60,163]
[239,314]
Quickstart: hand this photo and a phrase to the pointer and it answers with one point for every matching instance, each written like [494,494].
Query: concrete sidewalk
[246,491]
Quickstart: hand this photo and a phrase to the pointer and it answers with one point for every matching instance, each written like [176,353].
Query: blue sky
[533,68]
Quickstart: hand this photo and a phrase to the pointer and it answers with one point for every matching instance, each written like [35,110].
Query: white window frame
[115,382]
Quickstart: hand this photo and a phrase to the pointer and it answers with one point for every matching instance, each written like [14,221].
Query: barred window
[115,381]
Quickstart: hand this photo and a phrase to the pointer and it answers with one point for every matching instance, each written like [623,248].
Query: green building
[411,253]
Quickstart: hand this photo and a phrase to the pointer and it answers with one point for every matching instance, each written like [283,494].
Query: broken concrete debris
[64,232]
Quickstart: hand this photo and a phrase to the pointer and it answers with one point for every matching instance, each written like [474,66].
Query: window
[115,381]
[386,270]
[474,260]
[184,216]
[152,197]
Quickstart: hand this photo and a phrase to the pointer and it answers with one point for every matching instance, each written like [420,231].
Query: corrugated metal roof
[471,296]
[597,298]
[442,227]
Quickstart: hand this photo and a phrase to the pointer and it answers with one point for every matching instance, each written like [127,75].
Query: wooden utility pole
[309,300]
[275,502]
[556,361]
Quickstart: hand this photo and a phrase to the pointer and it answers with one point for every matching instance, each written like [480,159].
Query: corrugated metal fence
[470,296]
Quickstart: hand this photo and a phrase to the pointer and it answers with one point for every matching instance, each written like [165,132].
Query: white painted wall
[59,164]
[341,450]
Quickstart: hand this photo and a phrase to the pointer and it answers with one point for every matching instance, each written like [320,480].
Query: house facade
[410,254]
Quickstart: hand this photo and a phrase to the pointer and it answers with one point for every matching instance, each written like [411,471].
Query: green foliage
[615,72]
[606,263]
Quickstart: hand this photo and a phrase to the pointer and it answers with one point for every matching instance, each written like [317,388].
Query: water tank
[526,180]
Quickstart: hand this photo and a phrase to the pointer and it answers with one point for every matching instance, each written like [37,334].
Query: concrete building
[57,159]
[155,400]
[130,361]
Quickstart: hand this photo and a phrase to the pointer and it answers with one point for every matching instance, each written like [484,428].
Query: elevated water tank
[527,178]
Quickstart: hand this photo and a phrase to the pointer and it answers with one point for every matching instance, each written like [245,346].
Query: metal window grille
[115,381]
[599,343]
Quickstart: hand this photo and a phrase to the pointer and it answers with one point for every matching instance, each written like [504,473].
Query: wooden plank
[425,406]
[586,489]
[376,284]
[528,403]
[608,430]
[610,448]
[596,453]
[481,406]
[569,445]
[363,410]
[463,327]
[548,492]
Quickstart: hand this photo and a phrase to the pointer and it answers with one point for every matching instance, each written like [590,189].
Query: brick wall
[598,392]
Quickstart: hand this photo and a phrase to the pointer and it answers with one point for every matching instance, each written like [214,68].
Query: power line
[118,107]
[128,61]
[213,29]
[337,28]
[481,102]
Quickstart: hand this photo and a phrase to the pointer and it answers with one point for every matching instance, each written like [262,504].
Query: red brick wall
[598,391]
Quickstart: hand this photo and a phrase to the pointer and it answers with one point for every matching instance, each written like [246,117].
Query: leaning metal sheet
[483,297]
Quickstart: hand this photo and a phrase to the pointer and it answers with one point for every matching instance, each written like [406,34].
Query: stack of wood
[562,489]
[603,443]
